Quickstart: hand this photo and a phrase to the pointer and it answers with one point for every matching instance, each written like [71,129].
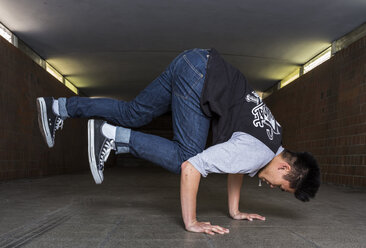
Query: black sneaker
[99,148]
[48,121]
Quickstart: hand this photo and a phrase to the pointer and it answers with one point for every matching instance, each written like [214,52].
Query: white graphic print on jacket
[263,116]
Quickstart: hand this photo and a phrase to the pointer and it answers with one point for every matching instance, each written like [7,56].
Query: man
[200,88]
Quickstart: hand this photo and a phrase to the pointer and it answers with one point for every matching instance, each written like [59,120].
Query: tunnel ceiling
[115,48]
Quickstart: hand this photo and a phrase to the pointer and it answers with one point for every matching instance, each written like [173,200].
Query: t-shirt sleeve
[241,154]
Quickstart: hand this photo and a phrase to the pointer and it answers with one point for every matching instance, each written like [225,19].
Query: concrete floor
[139,207]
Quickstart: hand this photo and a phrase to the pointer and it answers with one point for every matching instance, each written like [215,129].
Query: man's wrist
[190,223]
[234,212]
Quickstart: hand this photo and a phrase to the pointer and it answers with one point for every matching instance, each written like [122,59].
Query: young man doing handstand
[200,89]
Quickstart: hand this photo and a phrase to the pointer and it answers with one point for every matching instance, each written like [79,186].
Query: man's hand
[189,183]
[234,182]
[245,216]
[206,227]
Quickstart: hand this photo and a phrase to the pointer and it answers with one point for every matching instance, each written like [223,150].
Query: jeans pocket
[189,72]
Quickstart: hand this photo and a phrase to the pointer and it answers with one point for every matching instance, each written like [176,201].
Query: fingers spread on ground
[258,217]
[219,227]
[217,230]
[209,232]
[222,229]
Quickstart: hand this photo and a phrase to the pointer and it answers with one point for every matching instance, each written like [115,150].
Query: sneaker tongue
[109,131]
[55,107]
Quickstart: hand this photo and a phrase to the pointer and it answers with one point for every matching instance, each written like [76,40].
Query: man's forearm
[190,179]
[234,183]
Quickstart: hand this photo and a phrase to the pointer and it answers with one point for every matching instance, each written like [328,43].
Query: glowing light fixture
[69,85]
[8,35]
[317,60]
[5,33]
[54,73]
[291,77]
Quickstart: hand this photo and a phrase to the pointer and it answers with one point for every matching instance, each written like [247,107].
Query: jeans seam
[189,91]
[192,67]
[200,76]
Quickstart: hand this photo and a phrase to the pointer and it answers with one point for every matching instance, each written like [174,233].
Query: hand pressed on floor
[246,216]
[206,227]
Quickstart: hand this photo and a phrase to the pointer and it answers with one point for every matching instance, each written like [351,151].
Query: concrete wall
[23,153]
[324,112]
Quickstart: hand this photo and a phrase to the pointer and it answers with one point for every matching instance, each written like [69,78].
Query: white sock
[55,107]
[109,131]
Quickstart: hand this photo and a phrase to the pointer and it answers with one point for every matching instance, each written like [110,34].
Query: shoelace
[59,123]
[108,146]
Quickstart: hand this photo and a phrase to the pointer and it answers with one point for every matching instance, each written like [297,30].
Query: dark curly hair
[304,176]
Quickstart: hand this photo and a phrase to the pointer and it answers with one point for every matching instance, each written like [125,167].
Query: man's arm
[234,182]
[189,183]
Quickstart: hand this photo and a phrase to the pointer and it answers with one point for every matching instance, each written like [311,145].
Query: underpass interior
[48,197]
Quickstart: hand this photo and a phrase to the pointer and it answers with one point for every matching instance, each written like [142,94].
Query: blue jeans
[177,89]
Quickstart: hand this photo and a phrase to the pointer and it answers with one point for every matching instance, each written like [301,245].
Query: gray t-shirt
[242,153]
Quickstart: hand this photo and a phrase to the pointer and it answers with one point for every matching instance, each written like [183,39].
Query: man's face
[277,181]
[273,174]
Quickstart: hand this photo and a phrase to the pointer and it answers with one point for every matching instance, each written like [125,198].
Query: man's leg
[184,77]
[153,101]
[190,125]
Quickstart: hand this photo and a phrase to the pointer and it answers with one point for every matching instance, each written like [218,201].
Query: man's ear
[284,166]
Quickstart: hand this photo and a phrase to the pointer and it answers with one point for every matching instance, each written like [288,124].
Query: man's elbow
[185,165]
[188,169]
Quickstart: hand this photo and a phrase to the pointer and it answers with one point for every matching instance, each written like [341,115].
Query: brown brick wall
[23,153]
[324,112]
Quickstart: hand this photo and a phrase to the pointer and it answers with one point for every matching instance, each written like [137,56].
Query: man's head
[295,172]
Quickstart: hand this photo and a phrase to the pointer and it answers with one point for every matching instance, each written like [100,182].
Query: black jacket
[233,105]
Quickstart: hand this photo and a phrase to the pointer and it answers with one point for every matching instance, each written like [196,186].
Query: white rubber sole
[98,177]
[43,122]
